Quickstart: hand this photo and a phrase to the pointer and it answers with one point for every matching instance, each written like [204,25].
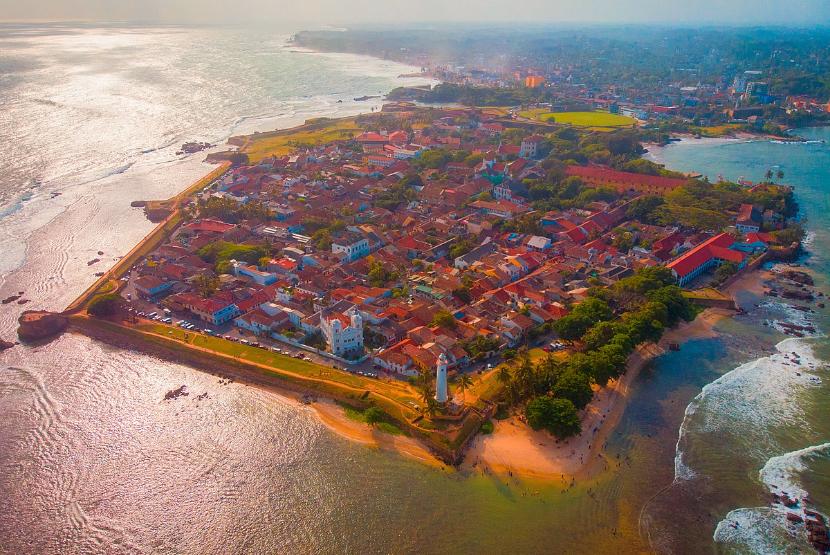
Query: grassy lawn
[279,143]
[717,131]
[706,293]
[496,111]
[594,120]
[399,391]
[360,416]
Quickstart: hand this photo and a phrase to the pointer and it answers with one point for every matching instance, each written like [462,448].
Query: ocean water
[760,427]
[93,460]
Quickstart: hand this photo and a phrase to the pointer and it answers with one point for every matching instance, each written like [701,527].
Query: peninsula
[433,270]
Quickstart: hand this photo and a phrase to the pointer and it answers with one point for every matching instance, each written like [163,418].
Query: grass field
[360,416]
[706,293]
[717,131]
[280,143]
[401,392]
[595,120]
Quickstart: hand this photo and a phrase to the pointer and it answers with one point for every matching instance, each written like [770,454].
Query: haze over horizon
[734,12]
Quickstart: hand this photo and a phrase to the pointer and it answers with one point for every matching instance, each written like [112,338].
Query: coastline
[515,450]
[654,150]
[333,417]
[325,408]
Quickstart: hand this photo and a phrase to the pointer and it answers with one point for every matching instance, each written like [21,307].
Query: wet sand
[334,418]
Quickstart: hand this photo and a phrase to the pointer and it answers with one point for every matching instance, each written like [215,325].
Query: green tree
[599,334]
[206,284]
[373,415]
[574,386]
[558,416]
[725,271]
[464,382]
[444,319]
[104,305]
[583,316]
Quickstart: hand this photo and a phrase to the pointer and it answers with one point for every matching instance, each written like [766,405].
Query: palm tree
[525,374]
[425,386]
[768,175]
[503,374]
[464,382]
[779,174]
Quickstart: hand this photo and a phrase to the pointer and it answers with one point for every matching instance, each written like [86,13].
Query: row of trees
[702,205]
[609,324]
[231,211]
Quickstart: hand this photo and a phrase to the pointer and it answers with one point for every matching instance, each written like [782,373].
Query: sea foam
[748,398]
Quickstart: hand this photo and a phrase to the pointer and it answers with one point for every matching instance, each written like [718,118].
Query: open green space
[399,391]
[281,143]
[580,119]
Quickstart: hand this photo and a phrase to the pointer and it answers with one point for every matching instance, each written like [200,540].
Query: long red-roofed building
[600,176]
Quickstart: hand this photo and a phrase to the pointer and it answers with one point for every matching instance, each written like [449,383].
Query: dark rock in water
[792,517]
[100,253]
[93,261]
[176,393]
[23,301]
[193,147]
[798,277]
[11,299]
[6,344]
[38,325]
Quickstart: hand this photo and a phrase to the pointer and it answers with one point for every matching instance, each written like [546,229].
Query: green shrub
[104,305]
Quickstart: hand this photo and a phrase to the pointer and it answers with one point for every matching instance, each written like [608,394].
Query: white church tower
[441,379]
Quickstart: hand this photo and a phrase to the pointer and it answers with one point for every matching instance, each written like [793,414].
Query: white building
[530,146]
[343,332]
[351,246]
[253,273]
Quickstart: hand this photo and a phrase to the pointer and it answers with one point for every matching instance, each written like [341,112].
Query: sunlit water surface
[92,459]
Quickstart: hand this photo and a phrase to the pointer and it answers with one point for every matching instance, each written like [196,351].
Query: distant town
[699,82]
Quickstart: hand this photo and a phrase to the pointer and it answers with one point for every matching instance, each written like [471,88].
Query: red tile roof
[623,178]
[716,247]
[214,226]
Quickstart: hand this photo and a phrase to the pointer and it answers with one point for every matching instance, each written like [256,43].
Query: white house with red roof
[708,254]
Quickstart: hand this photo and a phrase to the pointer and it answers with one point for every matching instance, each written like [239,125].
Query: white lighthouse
[441,379]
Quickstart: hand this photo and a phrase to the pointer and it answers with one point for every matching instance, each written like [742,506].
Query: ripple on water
[751,402]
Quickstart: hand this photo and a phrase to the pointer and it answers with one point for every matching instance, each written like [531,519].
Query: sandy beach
[331,415]
[517,450]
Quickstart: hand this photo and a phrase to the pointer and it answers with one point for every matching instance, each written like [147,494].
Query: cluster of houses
[436,276]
